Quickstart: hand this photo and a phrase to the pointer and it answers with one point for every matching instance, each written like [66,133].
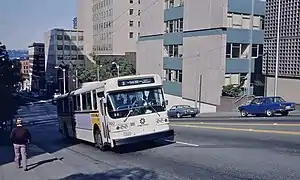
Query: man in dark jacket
[20,137]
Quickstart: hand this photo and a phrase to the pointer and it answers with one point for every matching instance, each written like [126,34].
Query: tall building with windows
[36,52]
[193,44]
[62,46]
[85,23]
[115,26]
[238,43]
[289,49]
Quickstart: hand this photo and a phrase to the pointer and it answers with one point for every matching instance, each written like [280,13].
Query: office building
[193,44]
[85,23]
[26,74]
[238,44]
[115,26]
[36,52]
[62,46]
[289,49]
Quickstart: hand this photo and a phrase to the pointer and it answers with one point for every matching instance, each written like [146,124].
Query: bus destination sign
[130,82]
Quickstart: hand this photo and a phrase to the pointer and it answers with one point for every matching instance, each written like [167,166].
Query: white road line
[184,143]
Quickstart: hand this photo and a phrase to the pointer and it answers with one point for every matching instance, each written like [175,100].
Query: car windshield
[277,99]
[141,101]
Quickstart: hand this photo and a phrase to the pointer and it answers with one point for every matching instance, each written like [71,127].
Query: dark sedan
[182,110]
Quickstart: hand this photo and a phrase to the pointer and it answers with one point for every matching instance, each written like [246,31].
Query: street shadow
[35,165]
[130,173]
[130,148]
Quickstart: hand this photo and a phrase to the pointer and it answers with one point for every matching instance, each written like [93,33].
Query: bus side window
[83,101]
[74,103]
[88,101]
[78,103]
[95,99]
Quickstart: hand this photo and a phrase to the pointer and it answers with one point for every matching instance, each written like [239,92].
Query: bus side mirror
[166,102]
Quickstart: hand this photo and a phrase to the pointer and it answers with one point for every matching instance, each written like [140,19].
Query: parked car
[182,110]
[267,106]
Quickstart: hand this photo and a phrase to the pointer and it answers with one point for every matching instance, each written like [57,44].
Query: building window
[131,1]
[130,23]
[67,38]
[80,57]
[80,38]
[74,48]
[139,1]
[130,34]
[139,12]
[66,47]
[228,50]
[173,75]
[139,23]
[80,48]
[255,51]
[174,50]
[235,20]
[130,11]
[236,50]
[73,38]
[60,47]
[174,26]
[59,37]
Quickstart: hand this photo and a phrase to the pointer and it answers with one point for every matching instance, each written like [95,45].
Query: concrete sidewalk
[41,165]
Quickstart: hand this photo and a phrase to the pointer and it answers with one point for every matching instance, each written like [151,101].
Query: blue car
[182,110]
[267,106]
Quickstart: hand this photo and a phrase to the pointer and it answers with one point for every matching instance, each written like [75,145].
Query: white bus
[116,111]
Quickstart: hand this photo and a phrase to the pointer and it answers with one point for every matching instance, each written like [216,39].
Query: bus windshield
[141,101]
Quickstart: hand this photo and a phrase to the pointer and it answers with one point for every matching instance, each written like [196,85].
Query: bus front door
[103,119]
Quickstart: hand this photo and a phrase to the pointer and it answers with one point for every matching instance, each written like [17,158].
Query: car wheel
[193,115]
[244,113]
[178,115]
[285,113]
[269,112]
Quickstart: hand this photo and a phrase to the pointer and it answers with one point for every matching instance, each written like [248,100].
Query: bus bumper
[169,135]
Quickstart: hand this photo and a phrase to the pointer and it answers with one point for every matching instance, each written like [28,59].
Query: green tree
[9,80]
[106,69]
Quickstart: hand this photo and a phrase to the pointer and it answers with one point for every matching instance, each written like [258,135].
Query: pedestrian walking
[20,137]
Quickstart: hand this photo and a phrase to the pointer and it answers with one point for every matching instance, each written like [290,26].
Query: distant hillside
[15,54]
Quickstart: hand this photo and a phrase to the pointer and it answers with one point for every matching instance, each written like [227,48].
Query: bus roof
[113,83]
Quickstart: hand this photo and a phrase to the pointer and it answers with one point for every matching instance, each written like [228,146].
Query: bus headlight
[162,120]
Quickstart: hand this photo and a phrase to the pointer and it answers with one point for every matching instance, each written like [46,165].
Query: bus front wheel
[98,139]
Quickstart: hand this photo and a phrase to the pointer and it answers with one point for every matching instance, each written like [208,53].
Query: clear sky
[23,22]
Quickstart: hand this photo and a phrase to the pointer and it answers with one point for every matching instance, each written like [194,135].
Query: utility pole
[200,92]
[64,77]
[277,49]
[76,78]
[266,75]
[98,73]
[250,51]
[197,81]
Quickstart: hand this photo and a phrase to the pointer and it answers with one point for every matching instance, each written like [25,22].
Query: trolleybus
[116,111]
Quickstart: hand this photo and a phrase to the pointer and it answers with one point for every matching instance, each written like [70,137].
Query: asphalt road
[203,150]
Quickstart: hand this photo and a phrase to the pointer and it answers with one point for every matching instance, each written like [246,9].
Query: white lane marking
[184,143]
